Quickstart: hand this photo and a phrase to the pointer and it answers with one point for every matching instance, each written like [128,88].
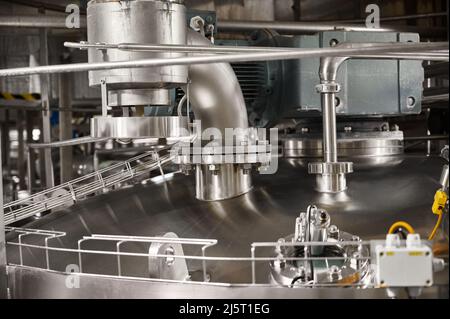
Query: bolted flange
[330,168]
[331,176]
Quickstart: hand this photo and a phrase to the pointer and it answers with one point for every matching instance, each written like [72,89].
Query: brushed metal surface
[229,180]
[375,198]
[139,127]
[348,144]
[215,93]
[23,282]
[217,101]
[140,21]
[139,97]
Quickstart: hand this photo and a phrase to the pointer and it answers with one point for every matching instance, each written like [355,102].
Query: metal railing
[204,244]
[69,193]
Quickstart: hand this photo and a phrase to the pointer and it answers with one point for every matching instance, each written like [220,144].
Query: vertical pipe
[21,149]
[65,125]
[3,278]
[45,98]
[5,138]
[31,172]
[329,127]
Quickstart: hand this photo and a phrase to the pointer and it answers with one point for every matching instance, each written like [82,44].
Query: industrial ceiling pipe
[239,57]
[441,55]
[288,28]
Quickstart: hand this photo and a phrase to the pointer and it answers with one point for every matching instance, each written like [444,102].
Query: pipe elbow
[215,93]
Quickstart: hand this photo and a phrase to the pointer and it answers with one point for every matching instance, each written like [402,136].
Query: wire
[401,224]
[438,208]
[180,105]
[297,278]
[308,237]
[436,227]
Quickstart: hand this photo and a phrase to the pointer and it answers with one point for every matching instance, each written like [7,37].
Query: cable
[308,237]
[440,200]
[436,227]
[401,224]
[296,278]
[180,105]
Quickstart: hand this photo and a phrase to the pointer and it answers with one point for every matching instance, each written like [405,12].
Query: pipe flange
[330,168]
[328,88]
[139,127]
[216,155]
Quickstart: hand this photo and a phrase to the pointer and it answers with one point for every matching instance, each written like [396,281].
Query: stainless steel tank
[375,198]
[136,21]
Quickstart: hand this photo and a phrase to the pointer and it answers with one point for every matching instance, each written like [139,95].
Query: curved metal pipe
[215,93]
[217,101]
[330,173]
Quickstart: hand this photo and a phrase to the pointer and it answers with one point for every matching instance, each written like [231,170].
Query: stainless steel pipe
[59,22]
[292,28]
[329,127]
[218,102]
[242,57]
[223,49]
[330,173]
[65,143]
[38,21]
[215,93]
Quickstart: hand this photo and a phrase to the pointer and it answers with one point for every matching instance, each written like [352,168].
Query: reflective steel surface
[375,199]
[226,181]
[139,127]
[141,21]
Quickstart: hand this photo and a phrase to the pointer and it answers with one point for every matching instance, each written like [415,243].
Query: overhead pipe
[240,57]
[429,56]
[290,28]
[38,21]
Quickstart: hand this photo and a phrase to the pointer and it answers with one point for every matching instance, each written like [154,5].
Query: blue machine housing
[277,90]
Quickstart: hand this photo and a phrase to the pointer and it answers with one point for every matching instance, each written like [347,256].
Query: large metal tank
[136,21]
[376,198]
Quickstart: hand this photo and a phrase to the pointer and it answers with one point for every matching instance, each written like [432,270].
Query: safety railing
[119,252]
[69,193]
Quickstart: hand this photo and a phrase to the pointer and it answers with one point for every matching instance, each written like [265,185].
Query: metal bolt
[304,130]
[333,42]
[333,232]
[197,23]
[246,169]
[334,272]
[323,216]
[170,251]
[214,169]
[411,102]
